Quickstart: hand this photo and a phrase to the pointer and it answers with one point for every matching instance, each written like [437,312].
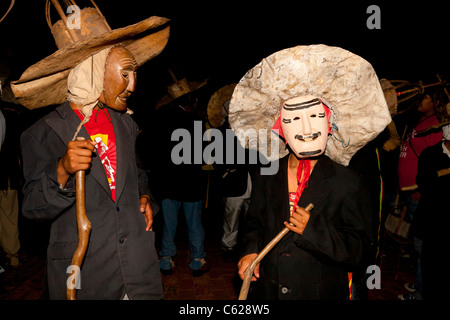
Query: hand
[78,156]
[244,263]
[299,220]
[146,209]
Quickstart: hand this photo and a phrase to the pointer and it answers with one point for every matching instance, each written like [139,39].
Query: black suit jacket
[314,265]
[121,256]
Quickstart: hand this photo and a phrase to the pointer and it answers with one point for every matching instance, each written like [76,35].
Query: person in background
[2,138]
[432,218]
[180,187]
[11,181]
[408,161]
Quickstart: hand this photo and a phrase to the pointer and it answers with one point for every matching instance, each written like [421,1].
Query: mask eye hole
[297,118]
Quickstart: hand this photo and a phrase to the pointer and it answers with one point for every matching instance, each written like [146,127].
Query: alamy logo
[74,17]
[374,279]
[374,20]
[74,279]
[190,149]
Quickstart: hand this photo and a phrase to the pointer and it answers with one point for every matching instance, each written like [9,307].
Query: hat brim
[45,83]
[167,99]
[216,103]
[345,82]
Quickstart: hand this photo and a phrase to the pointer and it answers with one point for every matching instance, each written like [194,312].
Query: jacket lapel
[278,193]
[124,149]
[319,186]
[66,130]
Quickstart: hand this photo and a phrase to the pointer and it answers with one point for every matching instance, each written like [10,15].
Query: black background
[221,40]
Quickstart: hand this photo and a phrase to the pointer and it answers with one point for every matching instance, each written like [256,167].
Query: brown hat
[179,88]
[45,83]
[217,103]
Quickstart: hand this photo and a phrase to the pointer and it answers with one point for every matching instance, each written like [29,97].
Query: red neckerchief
[302,180]
[304,164]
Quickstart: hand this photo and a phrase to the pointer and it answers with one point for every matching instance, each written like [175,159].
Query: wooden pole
[251,268]
[84,228]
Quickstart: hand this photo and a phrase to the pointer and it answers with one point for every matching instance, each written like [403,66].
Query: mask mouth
[309,138]
[310,153]
[124,97]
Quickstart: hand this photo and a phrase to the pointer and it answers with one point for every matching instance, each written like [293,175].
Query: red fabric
[292,197]
[301,181]
[413,147]
[278,129]
[304,165]
[101,131]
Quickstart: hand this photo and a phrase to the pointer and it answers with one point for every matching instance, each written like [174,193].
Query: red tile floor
[27,281]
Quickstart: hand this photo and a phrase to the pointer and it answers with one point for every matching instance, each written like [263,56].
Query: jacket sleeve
[341,235]
[144,188]
[43,197]
[143,183]
[253,232]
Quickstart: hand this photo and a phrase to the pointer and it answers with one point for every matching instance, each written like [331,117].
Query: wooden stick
[101,15]
[9,9]
[443,172]
[251,268]
[84,228]
[445,89]
[418,89]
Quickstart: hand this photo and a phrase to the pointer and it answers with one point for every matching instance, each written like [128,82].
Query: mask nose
[306,125]
[132,82]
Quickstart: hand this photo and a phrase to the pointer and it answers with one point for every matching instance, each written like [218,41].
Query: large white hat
[345,82]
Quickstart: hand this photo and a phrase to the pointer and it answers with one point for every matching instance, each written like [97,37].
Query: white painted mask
[305,127]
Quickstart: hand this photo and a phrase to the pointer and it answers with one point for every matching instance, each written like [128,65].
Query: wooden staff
[84,229]
[443,172]
[251,268]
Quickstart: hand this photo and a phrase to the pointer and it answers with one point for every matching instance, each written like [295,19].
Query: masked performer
[91,76]
[320,97]
[121,258]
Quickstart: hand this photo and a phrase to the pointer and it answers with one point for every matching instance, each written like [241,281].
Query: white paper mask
[305,126]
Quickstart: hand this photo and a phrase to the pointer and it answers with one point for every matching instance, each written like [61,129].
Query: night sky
[222,40]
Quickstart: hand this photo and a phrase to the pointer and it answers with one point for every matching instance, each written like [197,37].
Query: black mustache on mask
[313,136]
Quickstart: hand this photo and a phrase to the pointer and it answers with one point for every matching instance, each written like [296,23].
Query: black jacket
[121,256]
[160,148]
[314,265]
[431,218]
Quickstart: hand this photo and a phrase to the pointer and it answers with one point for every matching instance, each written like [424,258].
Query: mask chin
[307,149]
[300,150]
[307,154]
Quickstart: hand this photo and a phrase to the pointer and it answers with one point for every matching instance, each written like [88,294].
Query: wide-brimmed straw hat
[45,83]
[216,104]
[178,88]
[345,82]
